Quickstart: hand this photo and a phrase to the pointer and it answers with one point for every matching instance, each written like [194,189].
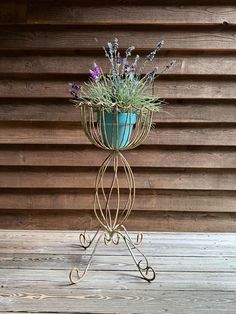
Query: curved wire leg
[85,240]
[139,237]
[75,274]
[146,271]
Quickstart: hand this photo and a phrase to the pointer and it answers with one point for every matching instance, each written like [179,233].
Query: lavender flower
[110,46]
[170,64]
[97,69]
[132,68]
[125,65]
[73,93]
[96,72]
[136,60]
[129,50]
[159,45]
[151,75]
[118,58]
[151,55]
[125,84]
[75,86]
[115,45]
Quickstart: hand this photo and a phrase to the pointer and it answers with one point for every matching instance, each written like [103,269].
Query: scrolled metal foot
[146,271]
[85,239]
[76,274]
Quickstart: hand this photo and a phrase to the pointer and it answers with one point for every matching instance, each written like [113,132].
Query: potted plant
[116,115]
[118,97]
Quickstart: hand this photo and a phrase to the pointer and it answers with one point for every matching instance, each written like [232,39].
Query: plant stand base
[114,237]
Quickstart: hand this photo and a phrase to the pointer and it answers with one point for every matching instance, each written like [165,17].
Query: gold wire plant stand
[114,131]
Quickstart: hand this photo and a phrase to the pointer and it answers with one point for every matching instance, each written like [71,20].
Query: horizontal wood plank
[163,88]
[154,157]
[51,279]
[80,64]
[37,37]
[72,133]
[73,13]
[162,263]
[171,237]
[62,301]
[177,111]
[192,179]
[197,265]
[13,11]
[146,200]
[143,221]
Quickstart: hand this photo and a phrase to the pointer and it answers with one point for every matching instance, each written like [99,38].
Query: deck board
[196,273]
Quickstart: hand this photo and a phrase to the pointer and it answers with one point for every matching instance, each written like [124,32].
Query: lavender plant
[125,84]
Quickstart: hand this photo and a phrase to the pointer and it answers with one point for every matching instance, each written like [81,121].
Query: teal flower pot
[117,128]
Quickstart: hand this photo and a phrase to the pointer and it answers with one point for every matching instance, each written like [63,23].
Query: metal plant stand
[112,202]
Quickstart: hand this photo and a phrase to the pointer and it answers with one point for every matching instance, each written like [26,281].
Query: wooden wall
[185,170]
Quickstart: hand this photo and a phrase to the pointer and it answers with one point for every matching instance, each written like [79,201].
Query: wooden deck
[196,273]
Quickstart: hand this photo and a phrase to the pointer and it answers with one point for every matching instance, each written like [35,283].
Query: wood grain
[73,13]
[154,157]
[51,279]
[37,37]
[162,263]
[177,111]
[72,133]
[13,11]
[63,301]
[139,220]
[164,88]
[146,200]
[186,64]
[193,271]
[192,179]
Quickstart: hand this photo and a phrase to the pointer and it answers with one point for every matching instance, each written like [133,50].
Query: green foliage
[125,85]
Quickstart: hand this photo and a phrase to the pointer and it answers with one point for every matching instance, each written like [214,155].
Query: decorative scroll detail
[146,271]
[85,239]
[76,274]
[114,237]
[107,205]
[139,237]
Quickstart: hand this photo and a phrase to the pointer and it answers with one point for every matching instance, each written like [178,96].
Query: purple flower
[115,44]
[73,93]
[97,69]
[151,75]
[151,55]
[129,50]
[170,64]
[75,86]
[118,58]
[96,72]
[93,75]
[159,45]
[132,68]
[126,66]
